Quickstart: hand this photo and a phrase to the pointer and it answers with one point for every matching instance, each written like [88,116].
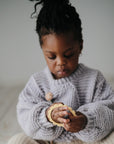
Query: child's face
[61,53]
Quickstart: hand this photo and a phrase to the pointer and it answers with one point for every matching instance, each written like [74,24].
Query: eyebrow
[69,49]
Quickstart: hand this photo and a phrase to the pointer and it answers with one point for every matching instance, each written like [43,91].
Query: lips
[62,72]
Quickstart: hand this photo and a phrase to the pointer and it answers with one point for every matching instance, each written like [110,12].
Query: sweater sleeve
[31,116]
[100,112]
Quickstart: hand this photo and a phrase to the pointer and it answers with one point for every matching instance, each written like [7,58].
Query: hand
[58,114]
[76,123]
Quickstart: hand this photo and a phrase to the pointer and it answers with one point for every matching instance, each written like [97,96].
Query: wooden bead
[49,96]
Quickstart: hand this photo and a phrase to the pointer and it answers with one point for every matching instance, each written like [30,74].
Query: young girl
[67,102]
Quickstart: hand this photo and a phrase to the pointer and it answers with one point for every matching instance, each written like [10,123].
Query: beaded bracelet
[56,106]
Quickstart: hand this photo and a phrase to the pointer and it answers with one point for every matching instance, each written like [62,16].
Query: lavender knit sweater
[85,90]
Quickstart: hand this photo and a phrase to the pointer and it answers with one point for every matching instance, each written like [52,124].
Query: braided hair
[57,16]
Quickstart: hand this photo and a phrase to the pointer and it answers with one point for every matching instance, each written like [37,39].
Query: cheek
[74,58]
[74,61]
[51,64]
[77,57]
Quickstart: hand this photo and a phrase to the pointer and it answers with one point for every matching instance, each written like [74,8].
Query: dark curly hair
[57,16]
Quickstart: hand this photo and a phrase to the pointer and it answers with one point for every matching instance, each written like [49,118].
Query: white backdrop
[21,55]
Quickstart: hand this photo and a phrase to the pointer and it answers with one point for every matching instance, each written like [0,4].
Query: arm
[31,109]
[99,113]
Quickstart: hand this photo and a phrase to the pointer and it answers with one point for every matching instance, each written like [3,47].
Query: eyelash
[52,58]
[69,55]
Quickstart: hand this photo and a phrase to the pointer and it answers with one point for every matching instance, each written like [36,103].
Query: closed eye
[68,56]
[52,58]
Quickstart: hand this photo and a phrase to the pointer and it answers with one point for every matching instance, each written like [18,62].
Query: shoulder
[90,73]
[90,70]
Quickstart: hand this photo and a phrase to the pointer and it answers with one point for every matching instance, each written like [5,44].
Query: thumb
[70,115]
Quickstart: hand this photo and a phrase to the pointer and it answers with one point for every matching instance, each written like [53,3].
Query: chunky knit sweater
[85,90]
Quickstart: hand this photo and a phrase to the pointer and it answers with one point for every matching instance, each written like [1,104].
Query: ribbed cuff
[43,121]
[87,133]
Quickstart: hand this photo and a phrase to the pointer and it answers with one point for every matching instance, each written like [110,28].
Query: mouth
[62,73]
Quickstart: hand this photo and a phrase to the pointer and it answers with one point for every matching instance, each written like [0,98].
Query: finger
[62,120]
[57,114]
[66,116]
[70,115]
[61,114]
[60,109]
[66,127]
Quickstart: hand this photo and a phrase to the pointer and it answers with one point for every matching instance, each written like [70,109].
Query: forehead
[58,41]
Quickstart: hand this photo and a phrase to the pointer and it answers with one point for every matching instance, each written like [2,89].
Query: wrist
[84,119]
[85,123]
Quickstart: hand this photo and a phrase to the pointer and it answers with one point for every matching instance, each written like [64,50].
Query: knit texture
[21,138]
[85,90]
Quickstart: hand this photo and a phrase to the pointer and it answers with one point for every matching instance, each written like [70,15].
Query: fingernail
[66,116]
[68,111]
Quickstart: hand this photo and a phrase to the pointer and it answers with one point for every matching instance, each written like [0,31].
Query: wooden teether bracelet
[56,106]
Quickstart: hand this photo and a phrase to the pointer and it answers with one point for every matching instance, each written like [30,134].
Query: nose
[61,61]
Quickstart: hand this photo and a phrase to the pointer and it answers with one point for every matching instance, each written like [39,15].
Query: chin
[59,77]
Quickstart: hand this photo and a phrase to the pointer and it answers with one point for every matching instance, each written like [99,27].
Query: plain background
[20,52]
